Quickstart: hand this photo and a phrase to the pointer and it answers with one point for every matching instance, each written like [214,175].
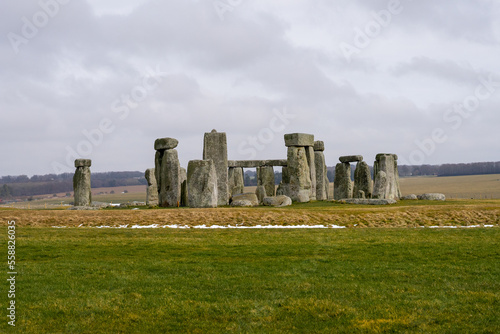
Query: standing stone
[322,182]
[202,184]
[342,186]
[215,149]
[389,186]
[184,192]
[265,178]
[261,193]
[284,186]
[299,187]
[236,181]
[81,183]
[152,189]
[167,172]
[363,185]
[312,170]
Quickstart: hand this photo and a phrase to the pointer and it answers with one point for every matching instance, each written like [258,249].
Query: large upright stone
[299,174]
[81,183]
[342,186]
[215,149]
[202,184]
[312,170]
[322,183]
[184,191]
[362,181]
[167,172]
[152,189]
[265,178]
[386,187]
[236,181]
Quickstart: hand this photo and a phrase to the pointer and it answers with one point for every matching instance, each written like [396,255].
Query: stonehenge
[385,171]
[236,181]
[265,178]
[81,183]
[167,172]
[342,185]
[363,185]
[152,189]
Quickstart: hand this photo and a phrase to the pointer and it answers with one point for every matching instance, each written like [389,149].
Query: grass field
[84,280]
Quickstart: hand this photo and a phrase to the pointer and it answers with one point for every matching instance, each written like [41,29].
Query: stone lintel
[351,158]
[83,163]
[299,139]
[166,143]
[256,163]
[377,158]
[319,146]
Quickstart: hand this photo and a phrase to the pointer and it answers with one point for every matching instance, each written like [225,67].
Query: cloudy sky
[103,79]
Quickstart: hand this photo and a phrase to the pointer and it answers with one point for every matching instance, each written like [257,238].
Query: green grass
[257,281]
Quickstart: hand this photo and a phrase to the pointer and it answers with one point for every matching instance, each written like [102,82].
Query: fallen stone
[351,158]
[84,208]
[432,197]
[201,184]
[411,197]
[166,144]
[244,200]
[277,201]
[299,139]
[370,201]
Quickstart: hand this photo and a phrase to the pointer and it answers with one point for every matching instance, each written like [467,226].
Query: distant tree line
[22,185]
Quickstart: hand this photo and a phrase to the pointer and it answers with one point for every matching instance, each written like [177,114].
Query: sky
[102,80]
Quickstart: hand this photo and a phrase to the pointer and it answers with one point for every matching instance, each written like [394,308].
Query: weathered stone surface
[388,164]
[299,140]
[265,178]
[277,201]
[342,186]
[322,183]
[368,201]
[236,181]
[152,189]
[432,197]
[359,194]
[169,184]
[247,199]
[215,149]
[411,197]
[319,146]
[362,181]
[351,158]
[378,156]
[202,184]
[81,187]
[261,193]
[299,175]
[380,185]
[166,144]
[83,163]
[312,170]
[256,163]
[184,190]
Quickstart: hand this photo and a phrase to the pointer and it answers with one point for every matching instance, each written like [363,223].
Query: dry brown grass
[405,214]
